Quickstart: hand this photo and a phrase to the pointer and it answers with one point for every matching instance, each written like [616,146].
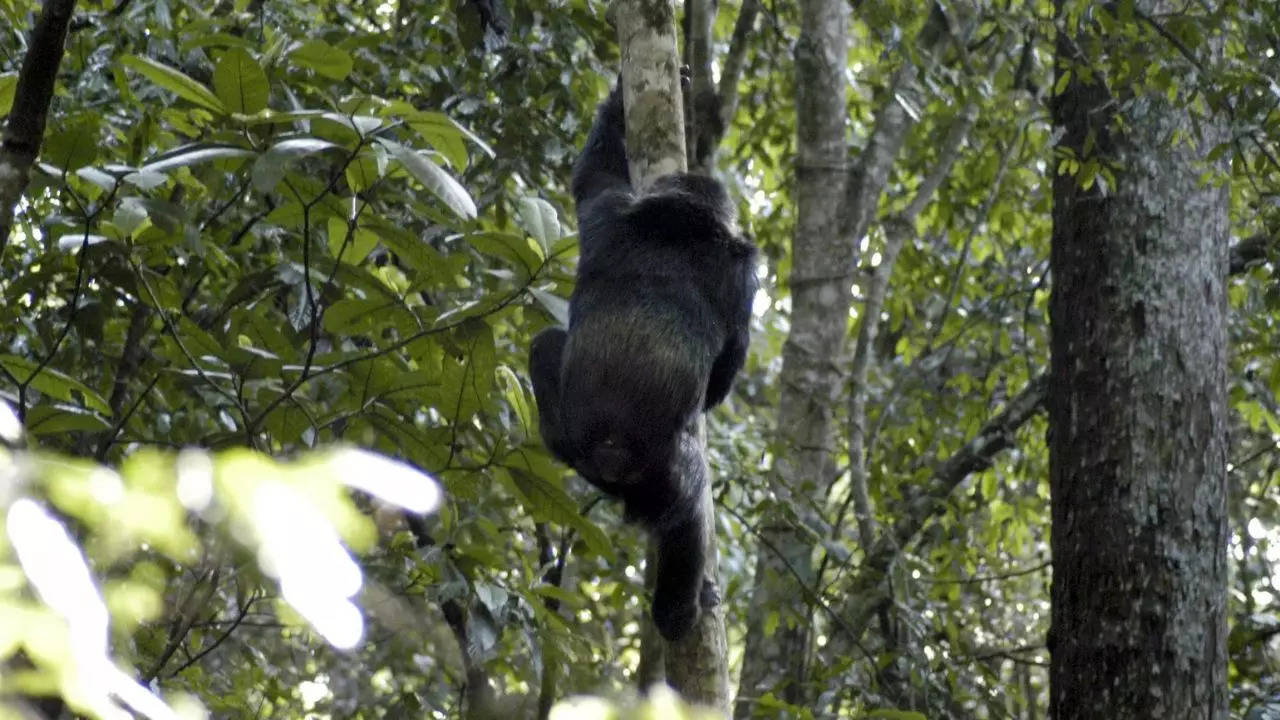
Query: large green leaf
[539,219]
[442,133]
[440,183]
[174,81]
[325,59]
[72,146]
[53,418]
[53,382]
[240,82]
[194,154]
[468,371]
[269,168]
[515,249]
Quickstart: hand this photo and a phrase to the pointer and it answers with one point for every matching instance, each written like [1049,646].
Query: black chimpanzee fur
[658,327]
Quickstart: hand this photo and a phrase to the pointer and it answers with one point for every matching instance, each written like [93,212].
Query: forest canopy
[270,273]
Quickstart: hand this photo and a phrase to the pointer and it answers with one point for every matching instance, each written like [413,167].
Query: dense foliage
[261,229]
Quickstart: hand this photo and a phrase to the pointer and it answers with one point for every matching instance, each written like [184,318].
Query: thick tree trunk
[1137,399]
[824,255]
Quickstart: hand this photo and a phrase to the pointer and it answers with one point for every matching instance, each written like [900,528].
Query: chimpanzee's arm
[603,163]
[740,296]
[544,369]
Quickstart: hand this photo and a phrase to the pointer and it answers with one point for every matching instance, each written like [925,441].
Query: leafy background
[280,226]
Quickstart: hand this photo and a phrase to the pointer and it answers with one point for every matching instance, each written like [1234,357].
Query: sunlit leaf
[269,168]
[72,242]
[52,418]
[442,134]
[514,392]
[436,180]
[8,83]
[195,154]
[536,217]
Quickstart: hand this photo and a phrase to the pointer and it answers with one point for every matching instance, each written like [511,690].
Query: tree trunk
[824,255]
[834,208]
[24,131]
[697,666]
[1137,399]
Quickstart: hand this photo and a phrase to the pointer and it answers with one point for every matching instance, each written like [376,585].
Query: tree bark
[697,666]
[824,255]
[1137,401]
[25,127]
[711,106]
[834,209]
[651,89]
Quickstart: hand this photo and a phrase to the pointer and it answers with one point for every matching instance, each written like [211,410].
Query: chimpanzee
[658,327]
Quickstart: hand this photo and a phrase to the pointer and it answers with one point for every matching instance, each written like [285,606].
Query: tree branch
[897,231]
[892,123]
[867,591]
[731,68]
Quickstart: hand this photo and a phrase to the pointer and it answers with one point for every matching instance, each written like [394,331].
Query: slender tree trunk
[24,131]
[834,209]
[697,666]
[1137,402]
[824,255]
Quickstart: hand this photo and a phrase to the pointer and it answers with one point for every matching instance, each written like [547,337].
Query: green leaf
[174,81]
[442,134]
[272,117]
[891,714]
[514,392]
[549,502]
[536,217]
[101,178]
[129,216]
[71,147]
[410,248]
[468,371]
[440,183]
[325,59]
[53,383]
[369,167]
[146,180]
[194,154]
[351,316]
[1063,80]
[269,167]
[8,84]
[349,244]
[557,306]
[361,125]
[240,82]
[516,250]
[54,418]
